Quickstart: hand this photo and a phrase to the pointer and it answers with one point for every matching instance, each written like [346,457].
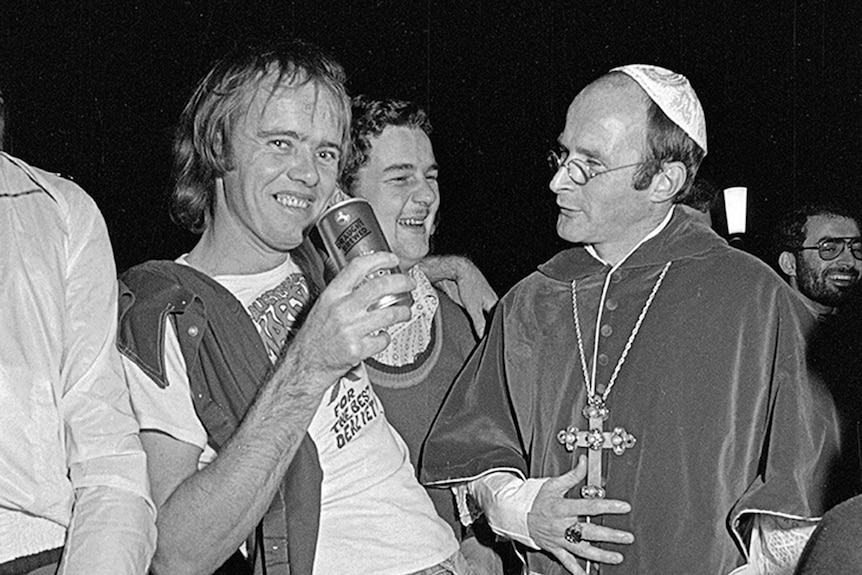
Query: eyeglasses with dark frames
[578,170]
[830,248]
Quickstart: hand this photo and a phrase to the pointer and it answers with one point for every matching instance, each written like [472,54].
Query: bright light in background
[735,202]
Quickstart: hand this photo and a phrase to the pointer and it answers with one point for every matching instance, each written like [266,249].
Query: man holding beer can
[256,411]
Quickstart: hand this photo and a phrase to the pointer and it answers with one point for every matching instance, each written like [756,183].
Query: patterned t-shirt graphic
[275,311]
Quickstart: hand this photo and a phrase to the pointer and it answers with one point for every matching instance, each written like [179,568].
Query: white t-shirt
[375,517]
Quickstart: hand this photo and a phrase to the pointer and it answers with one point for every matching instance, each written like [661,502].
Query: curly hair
[792,228]
[370,118]
[202,149]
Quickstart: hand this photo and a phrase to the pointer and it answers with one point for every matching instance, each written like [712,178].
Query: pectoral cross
[595,439]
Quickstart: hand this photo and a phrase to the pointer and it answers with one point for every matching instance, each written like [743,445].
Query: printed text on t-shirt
[352,412]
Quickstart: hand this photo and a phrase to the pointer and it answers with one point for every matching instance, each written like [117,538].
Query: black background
[96,87]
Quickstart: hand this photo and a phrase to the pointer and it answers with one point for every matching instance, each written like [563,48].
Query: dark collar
[683,237]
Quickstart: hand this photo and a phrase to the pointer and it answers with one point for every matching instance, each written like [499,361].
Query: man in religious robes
[677,363]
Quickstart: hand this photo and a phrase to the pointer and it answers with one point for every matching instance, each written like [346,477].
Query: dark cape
[834,547]
[729,420]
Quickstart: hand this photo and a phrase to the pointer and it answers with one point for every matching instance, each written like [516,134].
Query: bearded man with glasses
[821,254]
[642,400]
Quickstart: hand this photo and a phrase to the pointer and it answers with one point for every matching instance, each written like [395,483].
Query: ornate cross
[595,439]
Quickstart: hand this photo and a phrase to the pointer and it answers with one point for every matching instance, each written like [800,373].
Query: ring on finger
[574,533]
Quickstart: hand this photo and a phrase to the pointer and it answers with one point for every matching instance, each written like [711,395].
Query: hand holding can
[349,229]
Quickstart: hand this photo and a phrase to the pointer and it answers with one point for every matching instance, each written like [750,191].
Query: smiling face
[284,156]
[400,182]
[827,282]
[605,128]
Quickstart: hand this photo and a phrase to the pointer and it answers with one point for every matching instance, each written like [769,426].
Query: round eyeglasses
[578,170]
[831,248]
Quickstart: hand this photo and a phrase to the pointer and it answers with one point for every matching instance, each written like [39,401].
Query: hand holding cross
[552,513]
[595,439]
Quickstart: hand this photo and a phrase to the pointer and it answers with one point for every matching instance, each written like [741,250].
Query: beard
[815,284]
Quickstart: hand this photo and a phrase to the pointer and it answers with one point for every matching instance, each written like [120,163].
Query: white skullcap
[672,93]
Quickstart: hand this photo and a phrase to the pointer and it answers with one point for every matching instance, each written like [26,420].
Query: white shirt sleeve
[112,532]
[776,544]
[102,443]
[506,500]
[169,410]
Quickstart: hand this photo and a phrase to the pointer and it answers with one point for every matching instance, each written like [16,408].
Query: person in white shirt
[74,496]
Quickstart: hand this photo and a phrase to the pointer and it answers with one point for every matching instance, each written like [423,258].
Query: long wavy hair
[202,150]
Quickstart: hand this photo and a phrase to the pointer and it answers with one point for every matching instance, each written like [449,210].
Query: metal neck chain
[589,382]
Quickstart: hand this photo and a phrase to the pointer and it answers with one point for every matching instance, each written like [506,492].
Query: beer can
[349,229]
